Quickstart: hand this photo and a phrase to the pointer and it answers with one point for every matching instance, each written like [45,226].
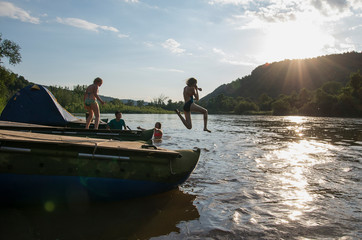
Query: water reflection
[290,166]
[141,218]
[296,119]
[276,178]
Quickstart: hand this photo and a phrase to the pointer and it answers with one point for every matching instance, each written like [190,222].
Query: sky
[146,49]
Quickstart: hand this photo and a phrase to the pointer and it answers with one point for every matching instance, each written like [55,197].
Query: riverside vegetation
[311,87]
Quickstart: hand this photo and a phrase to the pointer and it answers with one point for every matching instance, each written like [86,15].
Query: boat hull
[25,188]
[51,168]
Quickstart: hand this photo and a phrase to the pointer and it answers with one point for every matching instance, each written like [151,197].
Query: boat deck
[117,134]
[29,137]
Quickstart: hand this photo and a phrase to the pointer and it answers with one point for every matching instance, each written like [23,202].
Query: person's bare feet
[207,130]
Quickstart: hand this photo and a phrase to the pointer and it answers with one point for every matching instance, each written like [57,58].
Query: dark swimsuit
[187,105]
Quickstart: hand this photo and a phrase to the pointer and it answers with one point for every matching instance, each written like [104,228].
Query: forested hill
[290,76]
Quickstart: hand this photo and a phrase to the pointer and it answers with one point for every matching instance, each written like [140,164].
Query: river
[258,177]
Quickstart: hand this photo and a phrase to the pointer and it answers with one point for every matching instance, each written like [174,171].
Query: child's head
[158,125]
[118,114]
[191,82]
[98,80]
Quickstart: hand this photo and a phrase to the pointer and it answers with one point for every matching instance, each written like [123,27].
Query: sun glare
[295,40]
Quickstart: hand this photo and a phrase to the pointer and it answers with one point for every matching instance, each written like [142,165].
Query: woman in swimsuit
[157,131]
[191,91]
[91,104]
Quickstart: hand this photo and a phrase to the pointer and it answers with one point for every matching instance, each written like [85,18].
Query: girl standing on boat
[191,91]
[91,104]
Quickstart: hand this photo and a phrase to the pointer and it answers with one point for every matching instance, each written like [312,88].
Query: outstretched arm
[96,95]
[196,93]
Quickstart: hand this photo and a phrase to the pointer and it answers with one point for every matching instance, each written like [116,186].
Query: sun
[294,40]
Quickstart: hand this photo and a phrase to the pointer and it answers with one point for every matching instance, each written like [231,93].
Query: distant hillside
[288,76]
[124,101]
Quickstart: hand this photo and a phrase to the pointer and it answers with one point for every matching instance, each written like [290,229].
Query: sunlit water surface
[259,177]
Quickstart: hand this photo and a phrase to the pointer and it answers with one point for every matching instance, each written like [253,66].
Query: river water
[259,177]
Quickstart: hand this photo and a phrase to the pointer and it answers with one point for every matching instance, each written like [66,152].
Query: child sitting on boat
[117,123]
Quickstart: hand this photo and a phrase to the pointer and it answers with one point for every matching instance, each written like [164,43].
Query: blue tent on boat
[36,104]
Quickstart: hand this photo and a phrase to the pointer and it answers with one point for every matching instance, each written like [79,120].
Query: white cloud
[235,62]
[148,44]
[10,10]
[357,4]
[230,59]
[165,69]
[331,4]
[219,51]
[263,15]
[173,46]
[334,9]
[123,35]
[107,28]
[355,27]
[131,1]
[80,23]
[343,45]
[270,11]
[234,2]
[286,25]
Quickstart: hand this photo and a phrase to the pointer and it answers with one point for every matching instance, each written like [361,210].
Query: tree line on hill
[10,83]
[331,99]
[322,86]
[288,76]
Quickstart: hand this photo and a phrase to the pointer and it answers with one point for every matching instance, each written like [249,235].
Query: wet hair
[191,81]
[159,124]
[98,80]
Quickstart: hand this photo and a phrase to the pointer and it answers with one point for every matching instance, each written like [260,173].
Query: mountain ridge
[288,76]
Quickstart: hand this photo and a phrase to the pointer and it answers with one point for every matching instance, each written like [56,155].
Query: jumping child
[191,91]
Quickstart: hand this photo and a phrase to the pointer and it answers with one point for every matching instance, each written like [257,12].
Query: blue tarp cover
[36,104]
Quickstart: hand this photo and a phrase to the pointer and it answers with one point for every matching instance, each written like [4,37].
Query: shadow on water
[141,218]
